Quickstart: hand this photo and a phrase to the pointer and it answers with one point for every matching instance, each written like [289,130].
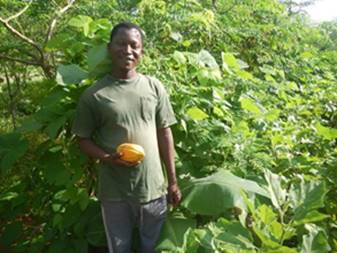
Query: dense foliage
[255,93]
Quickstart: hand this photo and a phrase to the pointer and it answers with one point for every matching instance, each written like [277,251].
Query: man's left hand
[174,194]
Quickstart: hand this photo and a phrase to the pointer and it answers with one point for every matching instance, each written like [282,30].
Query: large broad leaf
[269,231]
[172,235]
[306,197]
[99,62]
[326,132]
[315,241]
[96,56]
[53,127]
[12,147]
[234,234]
[214,194]
[250,105]
[11,232]
[206,59]
[207,75]
[312,216]
[70,74]
[82,22]
[277,193]
[179,57]
[54,170]
[196,114]
[229,62]
[224,236]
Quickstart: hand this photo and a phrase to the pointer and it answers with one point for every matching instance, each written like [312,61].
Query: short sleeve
[85,120]
[164,113]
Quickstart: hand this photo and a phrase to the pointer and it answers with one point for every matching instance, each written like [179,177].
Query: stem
[11,100]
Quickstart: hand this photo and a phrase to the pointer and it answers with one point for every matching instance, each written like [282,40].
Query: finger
[127,164]
[117,155]
[177,197]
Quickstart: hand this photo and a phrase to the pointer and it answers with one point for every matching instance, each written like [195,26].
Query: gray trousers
[120,218]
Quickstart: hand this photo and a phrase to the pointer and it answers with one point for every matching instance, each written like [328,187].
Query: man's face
[126,49]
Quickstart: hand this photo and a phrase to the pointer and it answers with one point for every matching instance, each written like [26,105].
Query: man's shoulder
[96,86]
[150,78]
[153,82]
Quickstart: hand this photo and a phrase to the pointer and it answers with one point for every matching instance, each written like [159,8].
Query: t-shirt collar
[123,81]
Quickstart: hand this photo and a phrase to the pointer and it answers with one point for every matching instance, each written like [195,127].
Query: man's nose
[127,48]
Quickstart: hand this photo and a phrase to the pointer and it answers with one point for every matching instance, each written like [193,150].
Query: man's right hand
[91,149]
[114,159]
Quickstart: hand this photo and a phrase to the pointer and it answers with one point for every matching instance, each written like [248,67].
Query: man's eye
[135,45]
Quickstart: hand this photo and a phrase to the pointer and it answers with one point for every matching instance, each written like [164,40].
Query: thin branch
[8,58]
[21,36]
[19,13]
[54,21]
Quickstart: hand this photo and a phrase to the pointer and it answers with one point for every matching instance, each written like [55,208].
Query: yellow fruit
[131,152]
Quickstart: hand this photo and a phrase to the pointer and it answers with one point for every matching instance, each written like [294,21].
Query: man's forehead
[128,32]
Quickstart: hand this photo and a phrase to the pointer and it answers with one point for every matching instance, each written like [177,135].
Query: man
[128,107]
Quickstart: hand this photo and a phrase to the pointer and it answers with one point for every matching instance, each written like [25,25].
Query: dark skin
[126,49]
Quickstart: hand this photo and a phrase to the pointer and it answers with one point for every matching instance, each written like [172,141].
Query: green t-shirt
[114,111]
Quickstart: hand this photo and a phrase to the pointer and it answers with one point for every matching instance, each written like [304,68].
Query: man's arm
[166,149]
[89,148]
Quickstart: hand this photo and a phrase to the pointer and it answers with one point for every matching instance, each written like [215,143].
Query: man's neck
[124,74]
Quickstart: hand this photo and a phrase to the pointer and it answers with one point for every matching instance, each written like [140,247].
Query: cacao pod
[131,152]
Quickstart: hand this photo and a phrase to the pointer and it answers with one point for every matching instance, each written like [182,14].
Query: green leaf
[315,241]
[277,193]
[59,41]
[95,231]
[190,244]
[224,187]
[310,217]
[306,197]
[234,234]
[6,196]
[57,246]
[250,105]
[206,239]
[176,36]
[57,220]
[80,246]
[245,75]
[83,22]
[179,57]
[229,62]
[83,199]
[326,132]
[11,232]
[54,171]
[70,74]
[205,75]
[266,214]
[272,115]
[99,62]
[54,126]
[172,235]
[30,125]
[12,147]
[196,114]
[206,59]
[96,56]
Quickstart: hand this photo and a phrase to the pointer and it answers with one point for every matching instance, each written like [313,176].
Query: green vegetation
[253,85]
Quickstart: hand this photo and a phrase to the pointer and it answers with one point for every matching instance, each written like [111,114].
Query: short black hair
[129,26]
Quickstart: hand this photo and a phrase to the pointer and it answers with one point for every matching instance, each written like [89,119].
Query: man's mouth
[128,58]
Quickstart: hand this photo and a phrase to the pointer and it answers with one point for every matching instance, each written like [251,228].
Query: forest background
[253,85]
